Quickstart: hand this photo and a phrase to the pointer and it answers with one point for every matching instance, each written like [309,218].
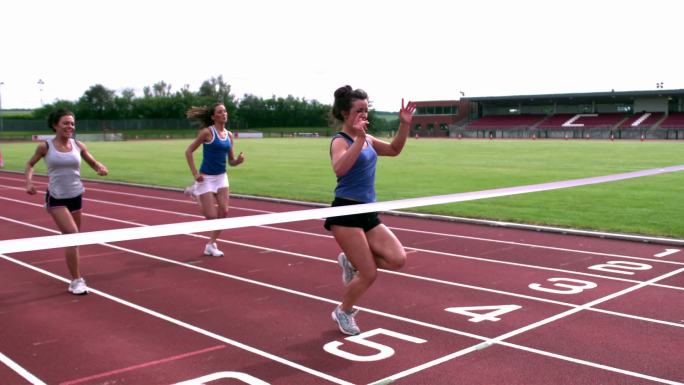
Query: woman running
[64,195]
[211,188]
[366,243]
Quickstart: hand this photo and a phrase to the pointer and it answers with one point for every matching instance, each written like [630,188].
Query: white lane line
[647,282]
[328,236]
[84,238]
[487,260]
[535,246]
[508,225]
[439,234]
[88,188]
[301,255]
[371,311]
[428,216]
[185,325]
[501,338]
[251,281]
[497,261]
[398,273]
[20,370]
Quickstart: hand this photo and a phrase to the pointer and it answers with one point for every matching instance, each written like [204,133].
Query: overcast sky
[418,50]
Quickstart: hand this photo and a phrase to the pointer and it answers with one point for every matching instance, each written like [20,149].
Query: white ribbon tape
[86,238]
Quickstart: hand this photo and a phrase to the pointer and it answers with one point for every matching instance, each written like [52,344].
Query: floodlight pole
[40,84]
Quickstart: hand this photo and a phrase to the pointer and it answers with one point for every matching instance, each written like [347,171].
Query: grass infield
[300,169]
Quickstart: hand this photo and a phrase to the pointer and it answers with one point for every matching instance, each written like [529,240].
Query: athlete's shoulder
[43,147]
[342,135]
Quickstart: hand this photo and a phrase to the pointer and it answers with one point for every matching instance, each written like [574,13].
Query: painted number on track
[666,253]
[383,350]
[244,377]
[619,267]
[573,286]
[471,311]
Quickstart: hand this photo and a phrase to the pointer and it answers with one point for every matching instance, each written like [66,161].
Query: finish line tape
[125,234]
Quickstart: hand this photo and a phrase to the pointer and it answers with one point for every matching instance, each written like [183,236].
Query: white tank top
[64,171]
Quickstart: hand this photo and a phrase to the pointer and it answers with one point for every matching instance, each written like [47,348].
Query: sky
[394,49]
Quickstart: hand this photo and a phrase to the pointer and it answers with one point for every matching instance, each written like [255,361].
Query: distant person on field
[63,198]
[211,188]
[2,162]
[366,243]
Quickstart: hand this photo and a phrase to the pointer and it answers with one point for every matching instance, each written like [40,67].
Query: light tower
[41,83]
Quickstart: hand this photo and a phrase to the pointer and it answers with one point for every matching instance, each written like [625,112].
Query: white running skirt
[211,183]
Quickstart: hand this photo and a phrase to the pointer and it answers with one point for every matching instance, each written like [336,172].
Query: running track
[551,308]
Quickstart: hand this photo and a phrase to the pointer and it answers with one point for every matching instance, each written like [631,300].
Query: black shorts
[72,204]
[366,221]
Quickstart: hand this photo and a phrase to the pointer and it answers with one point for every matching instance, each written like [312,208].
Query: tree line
[159,101]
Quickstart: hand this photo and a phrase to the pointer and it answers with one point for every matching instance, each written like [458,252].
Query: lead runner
[366,243]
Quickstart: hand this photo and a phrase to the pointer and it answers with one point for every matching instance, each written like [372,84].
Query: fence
[133,129]
[566,133]
[101,125]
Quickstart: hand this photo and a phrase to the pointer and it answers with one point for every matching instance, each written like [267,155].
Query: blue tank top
[359,182]
[214,154]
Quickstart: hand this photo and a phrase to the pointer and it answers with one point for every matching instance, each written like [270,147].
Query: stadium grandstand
[595,115]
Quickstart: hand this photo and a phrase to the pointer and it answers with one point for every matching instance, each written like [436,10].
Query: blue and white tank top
[358,183]
[64,171]
[215,153]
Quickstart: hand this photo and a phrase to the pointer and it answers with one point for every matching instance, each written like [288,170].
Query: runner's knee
[367,277]
[398,260]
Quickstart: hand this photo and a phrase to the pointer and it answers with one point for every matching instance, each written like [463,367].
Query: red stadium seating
[642,120]
[674,120]
[504,122]
[569,121]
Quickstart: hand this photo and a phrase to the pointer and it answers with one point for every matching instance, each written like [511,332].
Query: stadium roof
[613,96]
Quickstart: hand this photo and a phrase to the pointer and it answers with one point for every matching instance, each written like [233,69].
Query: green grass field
[300,169]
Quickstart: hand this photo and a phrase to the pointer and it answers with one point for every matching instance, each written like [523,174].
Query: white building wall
[650,105]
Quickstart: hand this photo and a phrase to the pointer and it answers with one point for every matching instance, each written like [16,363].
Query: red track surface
[160,313]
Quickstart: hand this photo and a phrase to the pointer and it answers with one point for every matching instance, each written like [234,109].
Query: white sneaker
[78,287]
[346,321]
[348,270]
[211,250]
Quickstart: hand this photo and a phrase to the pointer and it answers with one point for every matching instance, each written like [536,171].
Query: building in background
[655,114]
